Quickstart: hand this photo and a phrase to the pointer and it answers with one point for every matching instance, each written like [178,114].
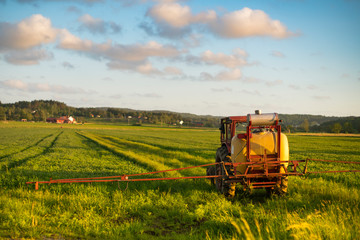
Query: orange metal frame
[255,179]
[294,164]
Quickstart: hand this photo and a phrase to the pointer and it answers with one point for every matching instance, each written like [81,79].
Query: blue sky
[203,57]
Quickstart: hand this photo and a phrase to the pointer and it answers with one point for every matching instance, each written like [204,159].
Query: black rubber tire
[228,189]
[211,171]
[218,181]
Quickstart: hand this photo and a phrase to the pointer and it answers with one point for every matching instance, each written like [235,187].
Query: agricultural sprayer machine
[258,158]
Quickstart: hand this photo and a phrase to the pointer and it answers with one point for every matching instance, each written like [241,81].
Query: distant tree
[305,125]
[2,114]
[289,128]
[348,128]
[111,115]
[42,115]
[336,128]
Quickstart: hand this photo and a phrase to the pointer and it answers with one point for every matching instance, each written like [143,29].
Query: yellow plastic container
[260,143]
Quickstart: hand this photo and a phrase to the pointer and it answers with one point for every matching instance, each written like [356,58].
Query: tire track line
[46,150]
[28,147]
[129,155]
[182,158]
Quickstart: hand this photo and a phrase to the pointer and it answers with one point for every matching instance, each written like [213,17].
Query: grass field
[318,207]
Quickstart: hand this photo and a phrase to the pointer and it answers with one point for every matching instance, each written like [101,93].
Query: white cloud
[147,68]
[277,54]
[108,50]
[193,40]
[165,30]
[147,95]
[15,84]
[274,83]
[311,87]
[179,16]
[229,61]
[253,93]
[247,22]
[321,97]
[242,23]
[70,41]
[173,71]
[39,87]
[37,30]
[133,57]
[235,60]
[171,13]
[221,90]
[252,80]
[33,31]
[79,1]
[67,65]
[234,74]
[97,25]
[27,57]
[295,87]
[116,96]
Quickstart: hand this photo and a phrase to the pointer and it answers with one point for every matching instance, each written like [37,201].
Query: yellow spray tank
[262,144]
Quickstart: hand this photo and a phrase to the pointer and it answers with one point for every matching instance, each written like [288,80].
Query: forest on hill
[39,110]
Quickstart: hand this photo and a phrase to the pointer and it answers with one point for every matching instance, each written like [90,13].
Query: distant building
[198,124]
[63,119]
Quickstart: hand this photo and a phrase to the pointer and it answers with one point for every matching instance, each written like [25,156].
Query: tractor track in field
[190,151]
[131,156]
[28,147]
[113,151]
[94,145]
[46,150]
[165,152]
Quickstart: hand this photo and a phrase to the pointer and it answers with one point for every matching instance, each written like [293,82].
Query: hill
[39,110]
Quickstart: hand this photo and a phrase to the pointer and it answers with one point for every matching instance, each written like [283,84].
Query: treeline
[320,124]
[39,110]
[343,125]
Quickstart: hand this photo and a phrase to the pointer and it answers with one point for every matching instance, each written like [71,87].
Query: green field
[323,206]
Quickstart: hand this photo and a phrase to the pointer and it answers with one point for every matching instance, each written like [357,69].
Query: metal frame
[265,178]
[228,131]
[296,170]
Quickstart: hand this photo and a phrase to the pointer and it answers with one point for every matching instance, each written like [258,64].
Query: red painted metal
[270,164]
[247,176]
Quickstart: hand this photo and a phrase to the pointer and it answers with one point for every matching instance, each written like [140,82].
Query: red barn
[63,119]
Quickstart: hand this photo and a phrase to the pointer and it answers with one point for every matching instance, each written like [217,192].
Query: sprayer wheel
[211,171]
[221,153]
[281,187]
[228,189]
[218,181]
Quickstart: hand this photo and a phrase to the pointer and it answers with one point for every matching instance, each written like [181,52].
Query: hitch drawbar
[294,165]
